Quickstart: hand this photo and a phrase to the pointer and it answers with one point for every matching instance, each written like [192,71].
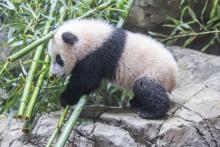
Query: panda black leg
[152,98]
[134,103]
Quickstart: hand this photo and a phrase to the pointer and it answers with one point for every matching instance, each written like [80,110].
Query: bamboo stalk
[33,100]
[71,122]
[128,9]
[29,124]
[33,67]
[58,126]
[4,67]
[30,47]
[191,34]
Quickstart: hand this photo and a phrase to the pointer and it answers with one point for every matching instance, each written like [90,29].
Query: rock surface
[193,120]
[4,52]
[148,14]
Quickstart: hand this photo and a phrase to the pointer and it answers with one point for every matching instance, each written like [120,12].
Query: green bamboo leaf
[211,22]
[29,9]
[210,43]
[218,11]
[156,34]
[175,21]
[183,12]
[192,14]
[185,25]
[172,41]
[214,9]
[203,10]
[108,86]
[182,2]
[169,25]
[189,41]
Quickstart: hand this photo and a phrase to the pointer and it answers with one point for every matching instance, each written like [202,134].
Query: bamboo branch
[30,47]
[4,67]
[30,124]
[33,67]
[33,100]
[191,34]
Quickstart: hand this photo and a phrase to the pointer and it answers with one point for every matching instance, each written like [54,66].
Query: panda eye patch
[59,60]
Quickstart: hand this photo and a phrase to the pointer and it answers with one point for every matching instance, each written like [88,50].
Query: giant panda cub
[93,50]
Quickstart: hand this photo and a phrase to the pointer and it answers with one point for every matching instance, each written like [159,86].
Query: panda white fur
[92,50]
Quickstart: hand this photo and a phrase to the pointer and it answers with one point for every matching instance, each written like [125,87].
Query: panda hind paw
[150,115]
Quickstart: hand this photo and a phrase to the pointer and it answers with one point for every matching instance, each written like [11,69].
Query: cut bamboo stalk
[30,77]
[33,100]
[71,122]
[58,126]
[30,124]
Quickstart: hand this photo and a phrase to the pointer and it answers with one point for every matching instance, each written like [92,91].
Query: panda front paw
[64,100]
[67,99]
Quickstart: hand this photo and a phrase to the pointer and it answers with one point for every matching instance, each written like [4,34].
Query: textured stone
[157,19]
[137,16]
[193,119]
[153,10]
[3,94]
[4,52]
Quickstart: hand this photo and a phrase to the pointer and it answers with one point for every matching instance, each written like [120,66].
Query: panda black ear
[69,38]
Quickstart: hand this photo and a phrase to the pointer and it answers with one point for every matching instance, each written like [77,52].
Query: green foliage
[192,24]
[24,22]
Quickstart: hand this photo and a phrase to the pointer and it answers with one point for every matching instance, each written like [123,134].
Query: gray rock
[4,52]
[149,14]
[3,94]
[193,119]
[157,19]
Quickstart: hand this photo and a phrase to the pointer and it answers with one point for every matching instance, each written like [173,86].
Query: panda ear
[69,38]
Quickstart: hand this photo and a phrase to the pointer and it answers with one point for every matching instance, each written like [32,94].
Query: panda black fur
[92,50]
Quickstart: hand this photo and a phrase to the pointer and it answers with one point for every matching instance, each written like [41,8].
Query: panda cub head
[62,50]
[73,41]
